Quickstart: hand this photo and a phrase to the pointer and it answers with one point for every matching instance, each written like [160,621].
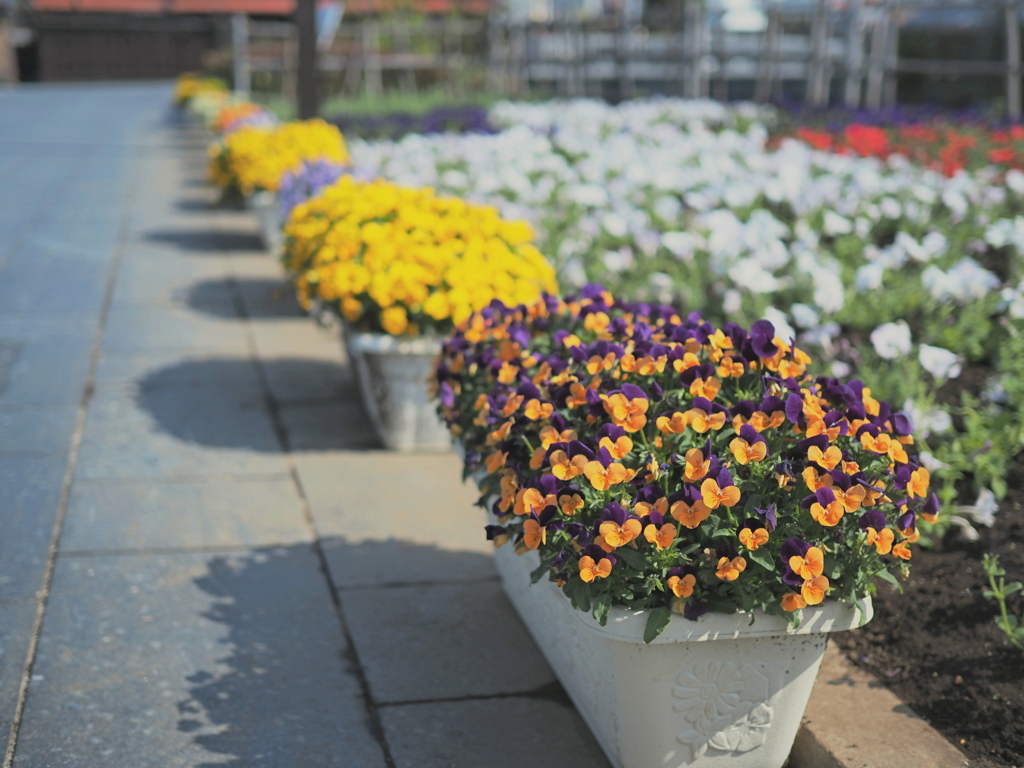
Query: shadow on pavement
[212,243]
[220,403]
[286,691]
[264,298]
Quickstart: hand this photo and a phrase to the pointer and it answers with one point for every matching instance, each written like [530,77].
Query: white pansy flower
[834,224]
[840,369]
[939,362]
[732,301]
[804,316]
[869,277]
[680,244]
[891,340]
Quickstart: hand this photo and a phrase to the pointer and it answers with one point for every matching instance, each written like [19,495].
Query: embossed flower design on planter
[723,706]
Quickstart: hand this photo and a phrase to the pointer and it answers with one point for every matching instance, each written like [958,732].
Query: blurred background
[417,54]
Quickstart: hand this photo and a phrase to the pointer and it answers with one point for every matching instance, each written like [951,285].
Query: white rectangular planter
[713,693]
[268,211]
[392,373]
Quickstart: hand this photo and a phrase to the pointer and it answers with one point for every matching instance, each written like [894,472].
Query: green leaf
[633,558]
[1014,586]
[886,576]
[763,559]
[657,623]
[602,606]
[540,571]
[722,533]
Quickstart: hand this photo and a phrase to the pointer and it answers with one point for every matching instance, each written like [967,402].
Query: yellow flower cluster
[190,84]
[256,157]
[406,261]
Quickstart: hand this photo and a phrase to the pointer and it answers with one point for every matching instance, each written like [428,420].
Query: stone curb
[852,721]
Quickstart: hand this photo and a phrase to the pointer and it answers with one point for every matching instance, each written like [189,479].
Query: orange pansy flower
[881,539]
[701,421]
[565,468]
[496,460]
[643,508]
[618,449]
[814,589]
[589,570]
[810,565]
[730,570]
[577,396]
[752,539]
[707,388]
[674,424]
[626,413]
[535,410]
[714,496]
[534,534]
[512,405]
[827,459]
[745,453]
[690,516]
[549,435]
[570,505]
[791,601]
[616,535]
[761,421]
[920,479]
[829,515]
[696,466]
[662,537]
[603,478]
[815,481]
[682,586]
[902,551]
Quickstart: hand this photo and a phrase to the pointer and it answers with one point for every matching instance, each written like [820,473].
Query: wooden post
[240,53]
[876,68]
[818,76]
[695,26]
[892,44]
[306,90]
[854,56]
[769,55]
[1013,74]
[373,77]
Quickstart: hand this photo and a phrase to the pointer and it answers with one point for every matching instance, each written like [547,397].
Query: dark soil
[937,648]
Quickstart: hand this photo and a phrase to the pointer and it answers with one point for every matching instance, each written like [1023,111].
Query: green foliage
[999,590]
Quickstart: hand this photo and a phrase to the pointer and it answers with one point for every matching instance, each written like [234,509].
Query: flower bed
[863,261]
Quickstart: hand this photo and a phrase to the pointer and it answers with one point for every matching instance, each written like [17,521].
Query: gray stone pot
[392,373]
[268,211]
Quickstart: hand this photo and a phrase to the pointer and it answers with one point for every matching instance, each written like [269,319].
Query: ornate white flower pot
[716,693]
[392,373]
[268,210]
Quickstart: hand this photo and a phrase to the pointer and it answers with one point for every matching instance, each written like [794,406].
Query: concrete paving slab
[297,338]
[373,563]
[159,515]
[138,328]
[341,425]
[377,495]
[317,380]
[28,429]
[28,508]
[188,660]
[144,281]
[45,371]
[160,433]
[16,622]
[497,733]
[841,725]
[179,371]
[442,641]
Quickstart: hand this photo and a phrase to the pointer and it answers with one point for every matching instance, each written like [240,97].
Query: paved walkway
[205,559]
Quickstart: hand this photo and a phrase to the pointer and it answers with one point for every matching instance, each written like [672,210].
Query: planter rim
[385,343]
[831,616]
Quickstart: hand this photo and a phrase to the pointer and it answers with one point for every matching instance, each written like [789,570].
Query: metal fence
[821,53]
